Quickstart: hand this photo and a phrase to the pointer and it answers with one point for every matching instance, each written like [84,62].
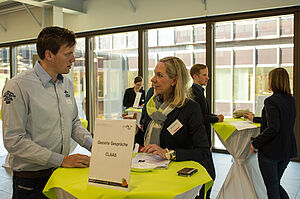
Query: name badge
[174,127]
[69,101]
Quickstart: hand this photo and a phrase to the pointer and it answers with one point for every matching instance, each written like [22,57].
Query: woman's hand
[155,150]
[126,116]
[249,116]
[252,149]
[220,118]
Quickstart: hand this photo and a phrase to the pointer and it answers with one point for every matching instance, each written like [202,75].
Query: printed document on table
[241,125]
[149,158]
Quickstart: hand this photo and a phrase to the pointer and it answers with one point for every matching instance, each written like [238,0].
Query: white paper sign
[112,154]
[137,99]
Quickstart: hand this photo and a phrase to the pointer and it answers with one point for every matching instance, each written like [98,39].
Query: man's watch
[171,154]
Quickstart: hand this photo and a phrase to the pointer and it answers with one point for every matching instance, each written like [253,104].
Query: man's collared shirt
[200,88]
[39,118]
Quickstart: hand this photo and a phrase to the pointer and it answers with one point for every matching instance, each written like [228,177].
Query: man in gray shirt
[40,116]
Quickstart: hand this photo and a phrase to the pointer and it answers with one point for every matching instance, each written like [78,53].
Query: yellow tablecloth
[159,183]
[84,123]
[131,109]
[225,128]
[244,179]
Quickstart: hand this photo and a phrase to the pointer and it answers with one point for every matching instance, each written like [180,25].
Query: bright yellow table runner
[159,183]
[84,123]
[131,109]
[225,128]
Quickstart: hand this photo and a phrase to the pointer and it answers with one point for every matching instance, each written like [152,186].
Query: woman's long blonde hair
[175,68]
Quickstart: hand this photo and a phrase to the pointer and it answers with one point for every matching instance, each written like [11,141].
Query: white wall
[20,25]
[102,14]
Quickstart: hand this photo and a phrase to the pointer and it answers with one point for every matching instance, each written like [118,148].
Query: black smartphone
[187,171]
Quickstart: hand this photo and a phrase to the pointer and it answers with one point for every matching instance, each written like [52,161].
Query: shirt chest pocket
[67,105]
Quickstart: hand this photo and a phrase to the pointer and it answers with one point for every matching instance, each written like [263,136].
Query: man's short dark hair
[196,69]
[52,38]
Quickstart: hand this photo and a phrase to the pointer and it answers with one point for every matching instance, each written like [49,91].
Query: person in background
[170,106]
[149,94]
[199,73]
[130,93]
[276,143]
[40,116]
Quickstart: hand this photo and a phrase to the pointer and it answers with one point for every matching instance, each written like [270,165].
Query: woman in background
[276,144]
[173,127]
[130,93]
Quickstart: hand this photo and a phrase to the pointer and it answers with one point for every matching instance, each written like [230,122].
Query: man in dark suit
[199,73]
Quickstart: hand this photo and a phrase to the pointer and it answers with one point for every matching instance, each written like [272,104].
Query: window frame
[209,21]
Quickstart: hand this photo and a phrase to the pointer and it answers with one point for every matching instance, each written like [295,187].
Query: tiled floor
[5,181]
[290,180]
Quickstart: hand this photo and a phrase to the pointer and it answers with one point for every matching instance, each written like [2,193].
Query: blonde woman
[169,106]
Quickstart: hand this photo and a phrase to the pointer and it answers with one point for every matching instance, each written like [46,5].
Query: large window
[77,75]
[4,76]
[26,55]
[243,52]
[4,67]
[116,59]
[241,68]
[185,42]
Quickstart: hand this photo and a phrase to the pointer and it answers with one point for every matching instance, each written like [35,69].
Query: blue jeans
[272,171]
[29,188]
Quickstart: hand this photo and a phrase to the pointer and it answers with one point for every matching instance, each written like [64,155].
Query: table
[244,179]
[159,183]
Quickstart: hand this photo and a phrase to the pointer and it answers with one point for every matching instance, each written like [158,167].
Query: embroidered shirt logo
[67,93]
[8,97]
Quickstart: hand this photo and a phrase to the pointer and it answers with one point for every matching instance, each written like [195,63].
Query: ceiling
[68,6]
[73,6]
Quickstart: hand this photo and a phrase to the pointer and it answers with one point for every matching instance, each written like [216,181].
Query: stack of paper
[150,159]
[241,125]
